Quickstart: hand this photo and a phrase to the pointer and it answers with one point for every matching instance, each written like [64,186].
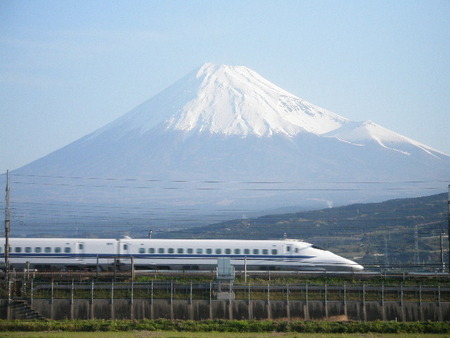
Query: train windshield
[316,247]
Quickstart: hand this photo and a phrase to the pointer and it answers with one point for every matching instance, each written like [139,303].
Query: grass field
[175,334]
[213,328]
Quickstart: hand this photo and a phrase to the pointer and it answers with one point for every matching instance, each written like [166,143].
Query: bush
[226,326]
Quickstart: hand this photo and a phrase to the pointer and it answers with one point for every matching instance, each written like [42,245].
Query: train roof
[277,241]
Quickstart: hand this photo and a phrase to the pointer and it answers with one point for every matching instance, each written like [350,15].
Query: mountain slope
[224,138]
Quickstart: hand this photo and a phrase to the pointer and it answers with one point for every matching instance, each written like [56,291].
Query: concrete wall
[235,309]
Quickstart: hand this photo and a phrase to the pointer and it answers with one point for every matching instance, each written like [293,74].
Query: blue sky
[69,67]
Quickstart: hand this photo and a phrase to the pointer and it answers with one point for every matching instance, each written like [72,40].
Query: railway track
[123,275]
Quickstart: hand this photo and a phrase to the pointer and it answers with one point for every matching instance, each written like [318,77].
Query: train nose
[356,267]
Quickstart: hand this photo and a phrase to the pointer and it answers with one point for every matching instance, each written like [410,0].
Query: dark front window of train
[316,247]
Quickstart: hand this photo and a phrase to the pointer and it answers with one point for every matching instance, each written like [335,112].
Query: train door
[80,248]
[125,248]
[125,252]
[288,248]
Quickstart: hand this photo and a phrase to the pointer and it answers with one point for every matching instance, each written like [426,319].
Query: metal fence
[211,291]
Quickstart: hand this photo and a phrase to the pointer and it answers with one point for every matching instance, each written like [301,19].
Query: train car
[70,253]
[291,255]
[169,254]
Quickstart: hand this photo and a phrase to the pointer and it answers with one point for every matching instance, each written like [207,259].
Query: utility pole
[416,245]
[448,228]
[442,252]
[386,252]
[7,228]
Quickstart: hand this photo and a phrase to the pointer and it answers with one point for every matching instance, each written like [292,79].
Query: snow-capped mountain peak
[230,100]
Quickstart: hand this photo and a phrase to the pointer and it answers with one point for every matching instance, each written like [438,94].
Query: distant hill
[400,233]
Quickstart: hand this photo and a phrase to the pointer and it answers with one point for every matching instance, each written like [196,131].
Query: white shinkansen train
[171,254]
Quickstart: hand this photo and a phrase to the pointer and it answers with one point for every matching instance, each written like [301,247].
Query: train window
[274,252]
[227,251]
[199,251]
[161,250]
[37,249]
[288,248]
[255,251]
[57,249]
[67,249]
[237,251]
[246,251]
[28,249]
[190,251]
[48,249]
[209,251]
[17,249]
[316,247]
[180,250]
[80,246]
[265,252]
[296,250]
[151,250]
[218,251]
[171,250]
[125,246]
[141,250]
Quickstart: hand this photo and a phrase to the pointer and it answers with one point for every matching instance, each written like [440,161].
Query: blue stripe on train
[147,256]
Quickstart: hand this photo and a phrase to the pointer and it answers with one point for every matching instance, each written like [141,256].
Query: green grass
[175,334]
[225,326]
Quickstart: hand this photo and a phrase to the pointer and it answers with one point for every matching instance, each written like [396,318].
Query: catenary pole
[448,228]
[7,228]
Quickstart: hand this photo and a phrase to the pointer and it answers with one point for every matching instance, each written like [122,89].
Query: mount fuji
[225,139]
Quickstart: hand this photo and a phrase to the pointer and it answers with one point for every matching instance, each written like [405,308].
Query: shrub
[219,325]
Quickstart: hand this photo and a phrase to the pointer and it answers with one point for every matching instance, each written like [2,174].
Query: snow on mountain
[361,133]
[229,100]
